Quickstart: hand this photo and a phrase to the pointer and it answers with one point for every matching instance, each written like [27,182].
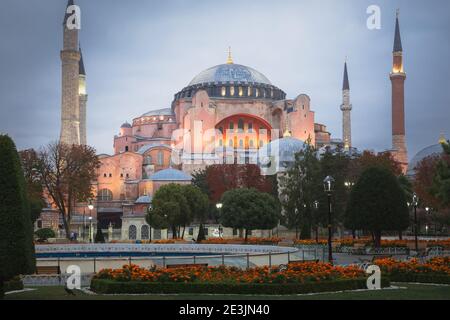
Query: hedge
[420,278]
[13,285]
[141,287]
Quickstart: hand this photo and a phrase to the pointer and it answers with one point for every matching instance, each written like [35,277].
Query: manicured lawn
[407,292]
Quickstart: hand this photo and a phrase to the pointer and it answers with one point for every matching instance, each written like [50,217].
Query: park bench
[48,270]
[193,265]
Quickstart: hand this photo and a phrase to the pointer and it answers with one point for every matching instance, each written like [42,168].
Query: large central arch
[243,131]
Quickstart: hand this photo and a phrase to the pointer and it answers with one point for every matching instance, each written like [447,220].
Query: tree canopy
[16,233]
[377,203]
[249,209]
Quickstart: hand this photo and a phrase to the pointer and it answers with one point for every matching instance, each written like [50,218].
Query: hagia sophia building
[229,113]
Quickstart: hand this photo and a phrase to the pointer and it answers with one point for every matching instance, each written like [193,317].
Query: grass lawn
[407,292]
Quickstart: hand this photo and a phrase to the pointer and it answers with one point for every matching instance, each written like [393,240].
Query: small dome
[281,151]
[433,150]
[230,73]
[144,200]
[160,112]
[170,175]
[126,125]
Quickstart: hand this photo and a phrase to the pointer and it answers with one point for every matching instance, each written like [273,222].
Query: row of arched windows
[145,232]
[148,160]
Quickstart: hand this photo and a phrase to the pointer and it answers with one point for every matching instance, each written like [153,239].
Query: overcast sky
[139,53]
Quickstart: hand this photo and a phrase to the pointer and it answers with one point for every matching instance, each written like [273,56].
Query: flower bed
[297,278]
[435,270]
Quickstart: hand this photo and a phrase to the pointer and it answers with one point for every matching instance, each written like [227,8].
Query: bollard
[129,261]
[270,260]
[303,255]
[95,265]
[248,261]
[164,261]
[223,260]
[194,260]
[289,257]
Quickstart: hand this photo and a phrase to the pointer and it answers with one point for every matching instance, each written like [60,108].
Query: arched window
[224,91]
[241,143]
[231,126]
[232,91]
[241,125]
[250,92]
[145,232]
[160,158]
[251,144]
[230,143]
[105,195]
[241,91]
[132,232]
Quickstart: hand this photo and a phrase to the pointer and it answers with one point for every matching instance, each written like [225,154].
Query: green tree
[441,181]
[199,207]
[16,233]
[377,203]
[170,209]
[249,209]
[300,188]
[99,236]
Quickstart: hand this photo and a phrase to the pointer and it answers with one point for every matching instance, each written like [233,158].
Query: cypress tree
[16,232]
[377,203]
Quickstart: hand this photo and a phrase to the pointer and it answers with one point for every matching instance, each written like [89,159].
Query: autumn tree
[29,160]
[67,173]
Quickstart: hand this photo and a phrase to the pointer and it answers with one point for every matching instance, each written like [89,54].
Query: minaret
[70,105]
[398,78]
[83,100]
[346,108]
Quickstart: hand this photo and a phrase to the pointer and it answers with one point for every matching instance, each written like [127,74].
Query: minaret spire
[398,39]
[346,109]
[83,98]
[398,77]
[70,104]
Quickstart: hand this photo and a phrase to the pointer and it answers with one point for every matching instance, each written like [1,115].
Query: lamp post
[84,224]
[328,185]
[316,209]
[219,208]
[90,229]
[415,202]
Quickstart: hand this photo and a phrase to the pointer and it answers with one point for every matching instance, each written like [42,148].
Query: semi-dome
[230,73]
[170,175]
[433,150]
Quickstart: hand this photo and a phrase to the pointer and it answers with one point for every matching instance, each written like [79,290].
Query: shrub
[13,285]
[140,287]
[45,234]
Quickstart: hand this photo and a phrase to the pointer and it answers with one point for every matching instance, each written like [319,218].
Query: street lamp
[219,206]
[90,207]
[328,185]
[415,202]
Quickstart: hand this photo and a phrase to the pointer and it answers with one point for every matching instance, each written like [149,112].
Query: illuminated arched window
[250,91]
[257,92]
[105,195]
[250,127]
[132,232]
[145,232]
[224,91]
[232,91]
[241,91]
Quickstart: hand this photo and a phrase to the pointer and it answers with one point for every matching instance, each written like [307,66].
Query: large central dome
[232,73]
